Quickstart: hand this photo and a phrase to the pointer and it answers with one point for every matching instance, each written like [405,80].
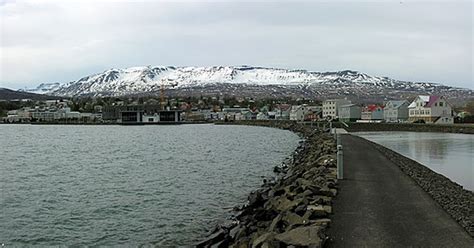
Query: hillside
[7,94]
[248,81]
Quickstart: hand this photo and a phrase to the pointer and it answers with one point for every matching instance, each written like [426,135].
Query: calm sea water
[449,154]
[134,185]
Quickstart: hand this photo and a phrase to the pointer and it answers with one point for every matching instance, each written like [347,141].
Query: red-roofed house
[430,109]
[372,112]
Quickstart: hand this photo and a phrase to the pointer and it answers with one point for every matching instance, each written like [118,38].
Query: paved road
[379,206]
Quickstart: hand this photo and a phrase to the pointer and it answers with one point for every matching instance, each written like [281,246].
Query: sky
[62,41]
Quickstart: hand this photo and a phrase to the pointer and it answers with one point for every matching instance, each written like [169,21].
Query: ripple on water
[114,185]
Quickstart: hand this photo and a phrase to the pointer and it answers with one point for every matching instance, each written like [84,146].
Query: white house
[297,113]
[349,112]
[396,111]
[430,109]
[331,107]
[304,112]
[262,116]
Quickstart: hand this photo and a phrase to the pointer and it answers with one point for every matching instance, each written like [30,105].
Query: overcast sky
[61,41]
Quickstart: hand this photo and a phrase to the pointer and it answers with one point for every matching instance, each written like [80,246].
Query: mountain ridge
[251,80]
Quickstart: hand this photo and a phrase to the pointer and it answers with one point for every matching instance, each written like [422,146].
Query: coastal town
[422,109]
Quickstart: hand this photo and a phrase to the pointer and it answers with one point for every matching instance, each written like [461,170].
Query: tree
[470,107]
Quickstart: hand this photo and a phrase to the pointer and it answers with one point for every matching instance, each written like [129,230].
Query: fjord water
[449,154]
[133,185]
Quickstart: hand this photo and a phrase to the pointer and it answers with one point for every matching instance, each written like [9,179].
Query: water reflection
[445,153]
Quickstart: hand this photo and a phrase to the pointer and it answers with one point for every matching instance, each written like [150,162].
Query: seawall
[294,209]
[259,224]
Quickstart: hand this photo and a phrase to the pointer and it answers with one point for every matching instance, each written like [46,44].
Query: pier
[378,205]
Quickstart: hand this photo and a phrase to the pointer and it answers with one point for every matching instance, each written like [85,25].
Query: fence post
[340,163]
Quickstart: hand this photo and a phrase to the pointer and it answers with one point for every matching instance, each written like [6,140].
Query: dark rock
[301,209]
[300,197]
[263,238]
[317,211]
[255,198]
[221,244]
[234,231]
[302,236]
[277,225]
[212,239]
[292,219]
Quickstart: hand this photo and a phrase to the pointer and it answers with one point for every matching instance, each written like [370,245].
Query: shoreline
[294,209]
[255,223]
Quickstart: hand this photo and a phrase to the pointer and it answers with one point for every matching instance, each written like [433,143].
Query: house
[297,113]
[234,113]
[372,112]
[430,109]
[396,111]
[248,115]
[262,116]
[282,111]
[271,115]
[331,107]
[304,112]
[211,115]
[20,115]
[349,112]
[313,113]
[239,117]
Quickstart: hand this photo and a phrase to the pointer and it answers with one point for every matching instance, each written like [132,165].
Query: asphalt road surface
[379,206]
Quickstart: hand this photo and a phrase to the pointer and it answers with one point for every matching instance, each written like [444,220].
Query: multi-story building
[349,112]
[430,109]
[331,107]
[131,114]
[305,112]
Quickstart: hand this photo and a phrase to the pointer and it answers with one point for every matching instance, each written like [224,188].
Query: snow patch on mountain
[135,80]
[44,88]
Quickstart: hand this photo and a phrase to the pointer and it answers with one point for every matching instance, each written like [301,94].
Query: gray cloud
[58,41]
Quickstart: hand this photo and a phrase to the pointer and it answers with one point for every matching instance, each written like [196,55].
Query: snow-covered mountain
[240,80]
[44,88]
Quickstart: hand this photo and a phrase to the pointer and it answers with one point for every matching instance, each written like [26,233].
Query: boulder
[281,204]
[277,225]
[321,222]
[212,239]
[263,238]
[302,236]
[255,198]
[326,160]
[315,211]
[292,220]
[321,200]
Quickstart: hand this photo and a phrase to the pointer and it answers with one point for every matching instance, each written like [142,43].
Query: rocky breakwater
[295,208]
